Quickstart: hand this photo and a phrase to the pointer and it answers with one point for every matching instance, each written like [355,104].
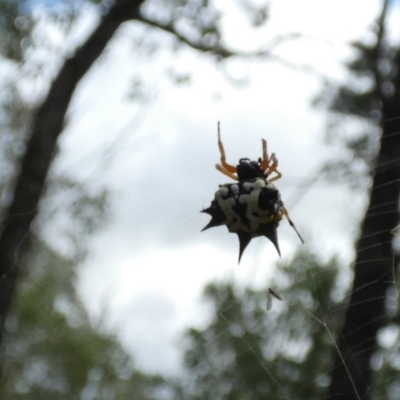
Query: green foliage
[355,109]
[246,352]
[52,350]
[385,361]
[14,27]
[386,365]
[359,109]
[17,22]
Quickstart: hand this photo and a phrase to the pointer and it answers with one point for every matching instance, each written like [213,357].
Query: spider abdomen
[248,208]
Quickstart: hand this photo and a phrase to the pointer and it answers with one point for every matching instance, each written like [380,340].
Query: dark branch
[47,126]
[378,49]
[170,28]
[218,49]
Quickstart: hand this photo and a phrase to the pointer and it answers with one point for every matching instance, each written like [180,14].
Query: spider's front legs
[265,160]
[224,167]
[220,168]
[227,167]
[273,168]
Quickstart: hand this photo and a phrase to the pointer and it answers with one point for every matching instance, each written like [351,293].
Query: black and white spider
[251,206]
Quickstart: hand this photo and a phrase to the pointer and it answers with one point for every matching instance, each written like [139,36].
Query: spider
[252,206]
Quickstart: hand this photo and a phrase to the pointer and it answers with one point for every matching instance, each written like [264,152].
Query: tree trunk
[374,269]
[41,145]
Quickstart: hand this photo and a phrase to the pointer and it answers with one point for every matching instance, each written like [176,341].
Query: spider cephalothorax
[252,206]
[247,169]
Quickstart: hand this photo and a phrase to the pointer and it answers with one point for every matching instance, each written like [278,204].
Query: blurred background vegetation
[51,347]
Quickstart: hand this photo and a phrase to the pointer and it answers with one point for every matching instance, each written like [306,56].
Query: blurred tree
[192,23]
[369,103]
[52,351]
[246,352]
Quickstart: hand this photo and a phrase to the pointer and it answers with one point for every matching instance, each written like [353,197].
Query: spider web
[283,338]
[315,293]
[326,310]
[285,330]
[314,297]
[326,307]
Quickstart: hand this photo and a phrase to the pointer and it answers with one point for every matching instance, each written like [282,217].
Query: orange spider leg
[274,165]
[275,178]
[225,165]
[265,160]
[220,168]
[285,212]
[273,168]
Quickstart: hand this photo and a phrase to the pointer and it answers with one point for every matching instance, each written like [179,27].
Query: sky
[148,265]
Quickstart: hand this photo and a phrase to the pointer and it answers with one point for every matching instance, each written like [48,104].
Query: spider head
[247,169]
